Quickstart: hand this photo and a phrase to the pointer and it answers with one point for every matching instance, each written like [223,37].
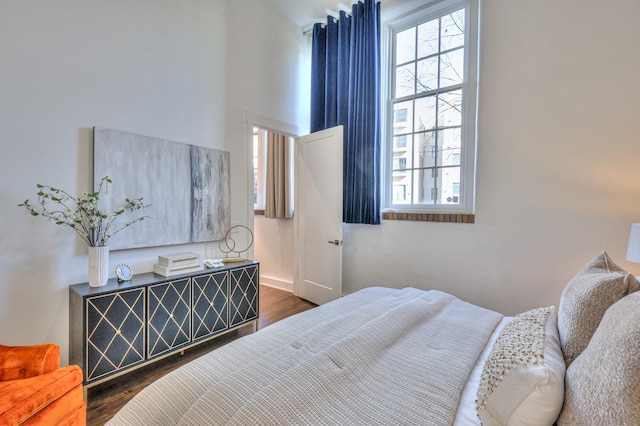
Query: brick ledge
[430,217]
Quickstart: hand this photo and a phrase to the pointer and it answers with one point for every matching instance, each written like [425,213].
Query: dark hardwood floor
[106,399]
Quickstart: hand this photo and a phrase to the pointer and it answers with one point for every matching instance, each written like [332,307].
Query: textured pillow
[603,383]
[522,380]
[600,284]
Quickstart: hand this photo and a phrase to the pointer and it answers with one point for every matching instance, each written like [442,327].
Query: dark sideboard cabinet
[121,326]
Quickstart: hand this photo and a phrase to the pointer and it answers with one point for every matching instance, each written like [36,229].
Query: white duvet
[378,356]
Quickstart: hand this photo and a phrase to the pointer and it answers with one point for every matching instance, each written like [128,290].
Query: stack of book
[176,264]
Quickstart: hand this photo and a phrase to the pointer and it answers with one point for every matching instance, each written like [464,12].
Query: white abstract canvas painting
[186,187]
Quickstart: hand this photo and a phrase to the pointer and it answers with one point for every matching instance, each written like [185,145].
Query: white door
[318,213]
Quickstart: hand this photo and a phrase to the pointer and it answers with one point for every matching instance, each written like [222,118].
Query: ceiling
[306,12]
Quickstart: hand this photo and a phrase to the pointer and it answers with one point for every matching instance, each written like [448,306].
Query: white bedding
[379,356]
[466,414]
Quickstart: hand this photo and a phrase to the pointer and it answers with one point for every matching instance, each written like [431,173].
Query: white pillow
[522,381]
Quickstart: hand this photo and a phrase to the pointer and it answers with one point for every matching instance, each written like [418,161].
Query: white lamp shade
[633,249]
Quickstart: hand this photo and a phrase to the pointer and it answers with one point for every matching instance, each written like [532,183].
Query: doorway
[273,244]
[303,256]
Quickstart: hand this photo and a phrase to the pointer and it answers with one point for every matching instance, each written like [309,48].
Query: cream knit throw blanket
[385,357]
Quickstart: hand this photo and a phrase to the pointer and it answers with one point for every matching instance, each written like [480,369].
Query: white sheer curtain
[278,203]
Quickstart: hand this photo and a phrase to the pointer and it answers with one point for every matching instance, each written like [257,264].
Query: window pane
[428,34]
[425,183]
[426,155]
[452,68]
[425,114]
[449,191]
[427,75]
[400,160]
[437,186]
[449,145]
[406,46]
[401,187]
[400,194]
[456,189]
[402,155]
[405,80]
[452,30]
[450,109]
[402,117]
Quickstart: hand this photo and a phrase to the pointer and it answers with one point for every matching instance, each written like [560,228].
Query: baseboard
[276,283]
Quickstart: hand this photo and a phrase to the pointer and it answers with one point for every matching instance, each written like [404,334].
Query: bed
[410,356]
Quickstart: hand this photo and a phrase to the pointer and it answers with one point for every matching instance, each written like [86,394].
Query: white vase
[98,266]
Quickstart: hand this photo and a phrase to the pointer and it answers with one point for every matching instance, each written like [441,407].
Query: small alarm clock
[123,272]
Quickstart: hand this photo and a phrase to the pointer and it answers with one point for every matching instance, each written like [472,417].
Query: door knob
[336,242]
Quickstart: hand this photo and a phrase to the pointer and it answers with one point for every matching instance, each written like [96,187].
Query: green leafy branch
[93,225]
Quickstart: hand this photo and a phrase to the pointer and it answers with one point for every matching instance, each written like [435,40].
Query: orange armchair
[35,390]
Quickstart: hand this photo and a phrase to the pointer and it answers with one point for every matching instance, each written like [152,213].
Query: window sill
[430,217]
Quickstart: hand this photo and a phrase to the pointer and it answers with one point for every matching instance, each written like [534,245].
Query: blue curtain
[345,90]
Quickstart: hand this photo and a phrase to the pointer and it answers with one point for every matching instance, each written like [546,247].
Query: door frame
[256,120]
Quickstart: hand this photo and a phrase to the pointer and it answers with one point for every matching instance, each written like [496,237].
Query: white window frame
[433,10]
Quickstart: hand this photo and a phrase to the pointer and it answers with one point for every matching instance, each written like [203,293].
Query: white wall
[176,70]
[270,79]
[558,162]
[274,250]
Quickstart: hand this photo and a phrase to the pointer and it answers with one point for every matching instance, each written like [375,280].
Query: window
[399,163]
[259,167]
[400,142]
[432,87]
[264,140]
[400,115]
